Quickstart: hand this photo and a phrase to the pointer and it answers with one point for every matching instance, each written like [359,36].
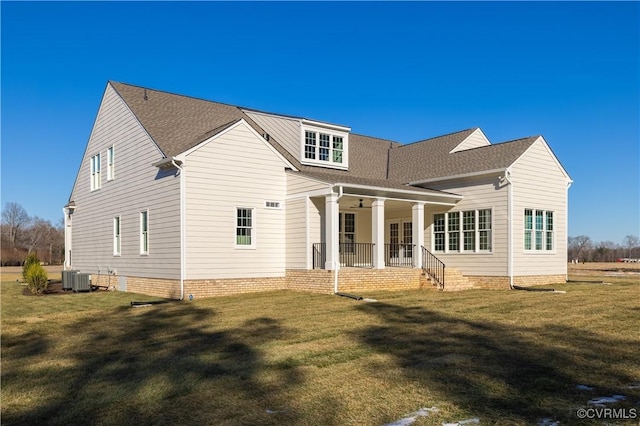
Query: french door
[399,249]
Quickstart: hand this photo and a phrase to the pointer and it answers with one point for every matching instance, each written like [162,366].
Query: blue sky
[402,71]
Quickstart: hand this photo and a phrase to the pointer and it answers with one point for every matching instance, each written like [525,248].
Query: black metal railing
[400,255]
[358,255]
[433,267]
[319,255]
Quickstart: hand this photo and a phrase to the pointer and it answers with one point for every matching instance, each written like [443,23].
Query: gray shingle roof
[432,159]
[177,123]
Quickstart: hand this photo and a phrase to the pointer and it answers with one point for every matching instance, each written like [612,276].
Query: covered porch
[375,228]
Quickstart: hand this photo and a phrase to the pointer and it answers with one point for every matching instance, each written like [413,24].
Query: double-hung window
[347,232]
[111,163]
[95,172]
[245,236]
[144,232]
[466,231]
[338,147]
[538,230]
[117,243]
[310,145]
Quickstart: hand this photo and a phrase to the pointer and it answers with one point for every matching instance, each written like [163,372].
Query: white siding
[479,193]
[474,140]
[297,245]
[539,183]
[137,186]
[286,131]
[234,169]
[300,185]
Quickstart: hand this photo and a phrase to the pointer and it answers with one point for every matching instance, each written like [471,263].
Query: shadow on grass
[163,365]
[500,373]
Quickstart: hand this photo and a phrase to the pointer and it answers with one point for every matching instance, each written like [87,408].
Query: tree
[14,216]
[38,233]
[631,242]
[579,247]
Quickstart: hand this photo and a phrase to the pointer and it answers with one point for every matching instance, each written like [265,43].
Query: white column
[377,232]
[417,213]
[332,260]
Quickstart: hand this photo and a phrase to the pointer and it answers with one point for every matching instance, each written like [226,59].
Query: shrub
[32,259]
[36,278]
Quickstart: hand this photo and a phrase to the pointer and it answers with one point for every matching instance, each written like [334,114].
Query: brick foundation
[350,280]
[502,283]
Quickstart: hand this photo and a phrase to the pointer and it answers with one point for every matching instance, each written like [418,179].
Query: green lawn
[284,358]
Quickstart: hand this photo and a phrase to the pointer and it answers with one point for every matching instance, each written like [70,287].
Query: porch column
[331,232]
[417,212]
[377,232]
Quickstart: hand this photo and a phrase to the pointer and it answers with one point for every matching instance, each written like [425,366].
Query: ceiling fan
[360,205]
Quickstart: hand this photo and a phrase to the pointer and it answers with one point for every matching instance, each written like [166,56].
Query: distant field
[285,358]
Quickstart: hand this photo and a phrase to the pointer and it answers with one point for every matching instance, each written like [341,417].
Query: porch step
[426,283]
[455,281]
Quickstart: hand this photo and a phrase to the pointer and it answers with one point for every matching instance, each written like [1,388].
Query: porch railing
[398,255]
[359,255]
[433,267]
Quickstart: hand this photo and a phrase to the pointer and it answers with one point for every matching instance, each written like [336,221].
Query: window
[463,232]
[484,230]
[439,232]
[347,232]
[337,149]
[95,172]
[469,230]
[325,147]
[144,232]
[116,236]
[454,231]
[310,145]
[244,227]
[110,163]
[538,230]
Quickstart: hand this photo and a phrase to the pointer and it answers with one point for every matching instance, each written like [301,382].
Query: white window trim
[461,231]
[331,131]
[251,246]
[94,173]
[111,163]
[117,238]
[533,250]
[144,252]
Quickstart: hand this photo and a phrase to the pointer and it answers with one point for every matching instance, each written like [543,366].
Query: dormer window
[326,147]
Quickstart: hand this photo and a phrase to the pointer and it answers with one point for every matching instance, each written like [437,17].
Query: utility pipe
[336,253]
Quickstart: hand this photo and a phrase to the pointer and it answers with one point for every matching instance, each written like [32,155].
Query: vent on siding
[272,204]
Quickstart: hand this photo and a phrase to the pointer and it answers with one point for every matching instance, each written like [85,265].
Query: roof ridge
[438,137]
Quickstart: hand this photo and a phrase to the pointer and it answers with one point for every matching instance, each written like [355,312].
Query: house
[182,197]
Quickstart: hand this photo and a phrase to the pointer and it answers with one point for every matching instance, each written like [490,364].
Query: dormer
[313,143]
[324,144]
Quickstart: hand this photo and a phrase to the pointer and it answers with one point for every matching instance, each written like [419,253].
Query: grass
[504,357]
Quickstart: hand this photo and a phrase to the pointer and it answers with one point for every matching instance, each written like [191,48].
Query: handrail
[433,267]
[358,255]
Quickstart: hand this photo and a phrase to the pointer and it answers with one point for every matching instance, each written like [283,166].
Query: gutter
[164,164]
[336,253]
[182,225]
[507,177]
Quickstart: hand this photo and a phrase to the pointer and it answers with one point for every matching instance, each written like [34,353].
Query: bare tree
[579,247]
[38,233]
[15,217]
[631,242]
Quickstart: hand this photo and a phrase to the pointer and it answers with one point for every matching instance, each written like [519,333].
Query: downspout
[182,227]
[507,176]
[336,253]
[566,218]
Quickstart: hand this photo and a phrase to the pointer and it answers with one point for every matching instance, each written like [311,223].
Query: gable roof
[431,159]
[177,123]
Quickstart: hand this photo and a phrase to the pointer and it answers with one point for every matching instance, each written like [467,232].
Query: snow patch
[607,400]
[412,417]
[474,420]
[584,387]
[548,422]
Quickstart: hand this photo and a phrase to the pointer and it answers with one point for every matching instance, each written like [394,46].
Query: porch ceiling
[393,197]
